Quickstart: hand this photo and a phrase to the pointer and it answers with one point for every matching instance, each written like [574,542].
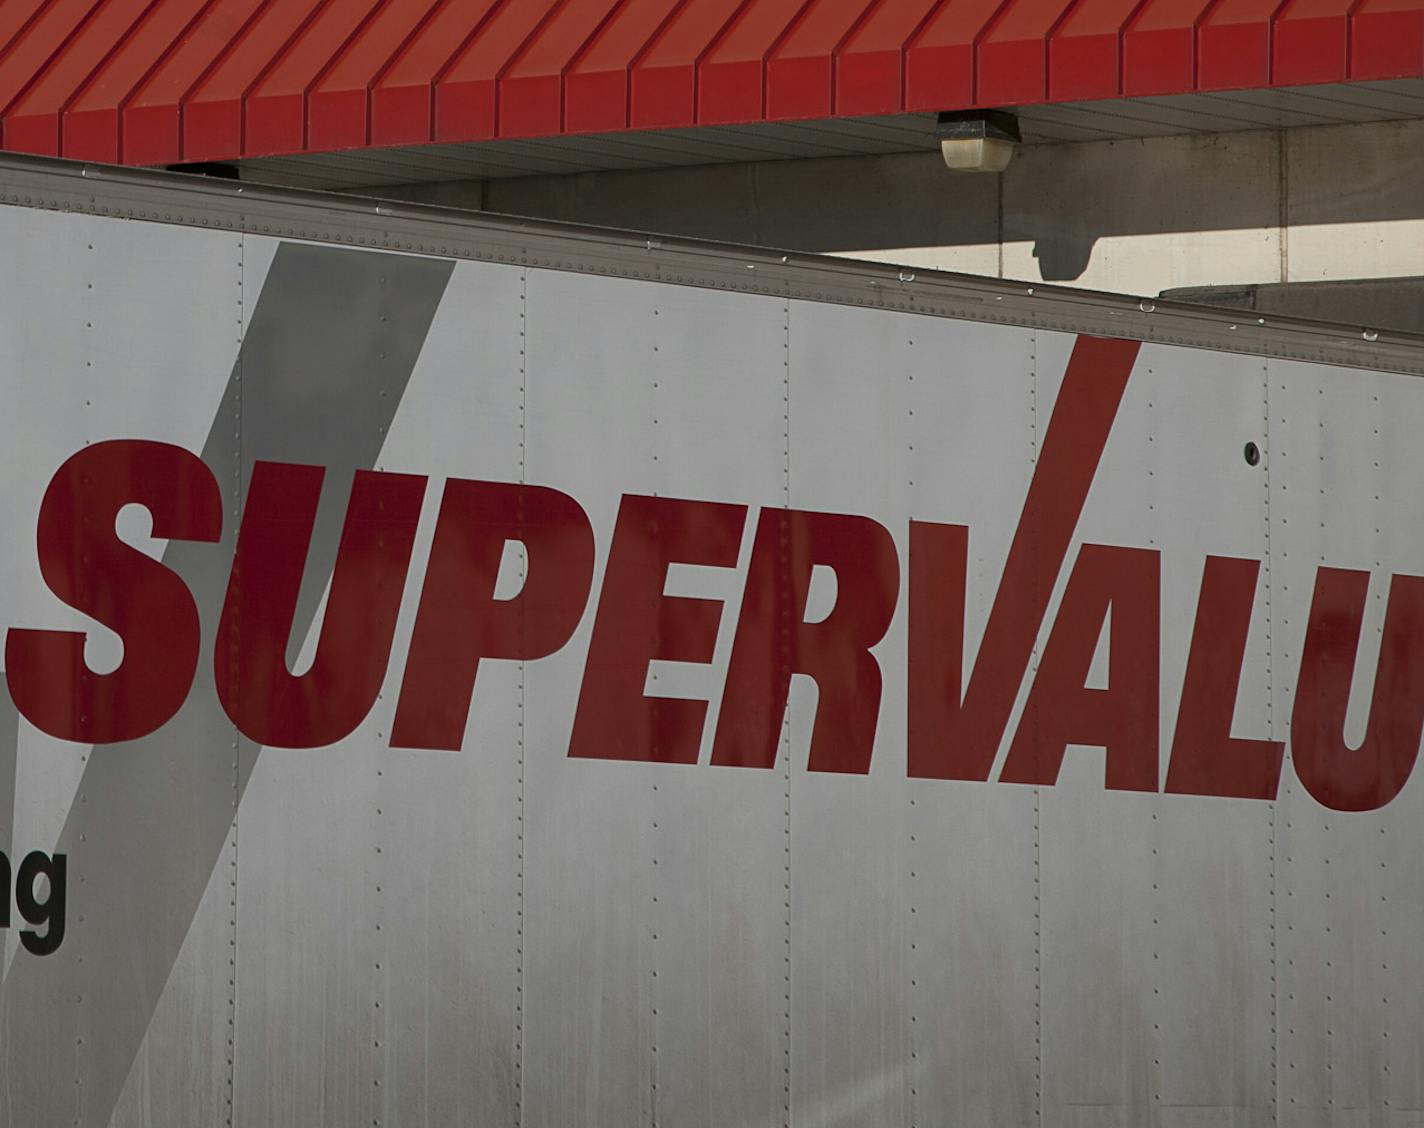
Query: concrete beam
[1137,216]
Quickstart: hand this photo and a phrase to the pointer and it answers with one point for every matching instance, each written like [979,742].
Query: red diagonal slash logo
[957,737]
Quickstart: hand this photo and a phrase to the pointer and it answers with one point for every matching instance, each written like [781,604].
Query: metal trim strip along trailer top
[177,198]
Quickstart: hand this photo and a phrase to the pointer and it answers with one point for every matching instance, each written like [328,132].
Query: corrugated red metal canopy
[163,81]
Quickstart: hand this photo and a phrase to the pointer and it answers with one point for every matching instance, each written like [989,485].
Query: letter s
[86,565]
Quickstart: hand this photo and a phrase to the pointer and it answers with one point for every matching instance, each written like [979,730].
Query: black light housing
[977,140]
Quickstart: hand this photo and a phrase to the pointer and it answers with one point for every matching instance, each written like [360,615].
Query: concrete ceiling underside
[1116,119]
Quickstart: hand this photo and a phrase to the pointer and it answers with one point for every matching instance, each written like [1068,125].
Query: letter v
[951,737]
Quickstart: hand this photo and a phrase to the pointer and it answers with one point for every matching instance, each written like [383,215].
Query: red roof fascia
[531,88]
[38,46]
[1013,53]
[151,117]
[800,72]
[598,82]
[338,104]
[403,97]
[1234,44]
[1312,42]
[90,125]
[731,78]
[32,124]
[1085,53]
[870,64]
[466,93]
[941,61]
[1387,40]
[664,77]
[163,81]
[275,109]
[213,110]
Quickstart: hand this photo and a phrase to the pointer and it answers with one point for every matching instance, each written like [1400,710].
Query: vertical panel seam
[519,817]
[1270,728]
[379,1016]
[1154,1003]
[1330,970]
[653,698]
[84,755]
[1384,854]
[786,717]
[1037,794]
[236,736]
[911,850]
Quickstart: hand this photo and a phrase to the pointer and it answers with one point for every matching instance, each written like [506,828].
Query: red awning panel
[164,81]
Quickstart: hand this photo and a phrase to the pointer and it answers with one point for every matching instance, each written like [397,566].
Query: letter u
[265,700]
[1368,777]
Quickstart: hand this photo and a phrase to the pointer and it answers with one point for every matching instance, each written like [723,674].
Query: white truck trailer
[462,671]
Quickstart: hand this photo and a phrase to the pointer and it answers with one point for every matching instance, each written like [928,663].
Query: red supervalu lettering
[1206,758]
[954,738]
[1119,587]
[958,726]
[636,624]
[460,622]
[1368,777]
[268,703]
[88,567]
[774,640]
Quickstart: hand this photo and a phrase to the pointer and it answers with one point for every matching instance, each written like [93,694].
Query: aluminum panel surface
[1400,1008]
[87,357]
[1212,996]
[1096,889]
[450,825]
[974,895]
[330,344]
[1089,901]
[850,871]
[587,957]
[1349,887]
[721,1039]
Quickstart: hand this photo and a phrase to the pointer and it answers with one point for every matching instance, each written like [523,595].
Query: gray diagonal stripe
[9,752]
[326,358]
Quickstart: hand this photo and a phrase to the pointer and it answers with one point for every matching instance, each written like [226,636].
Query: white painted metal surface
[357,933]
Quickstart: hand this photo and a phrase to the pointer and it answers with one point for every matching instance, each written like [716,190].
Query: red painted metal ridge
[163,81]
